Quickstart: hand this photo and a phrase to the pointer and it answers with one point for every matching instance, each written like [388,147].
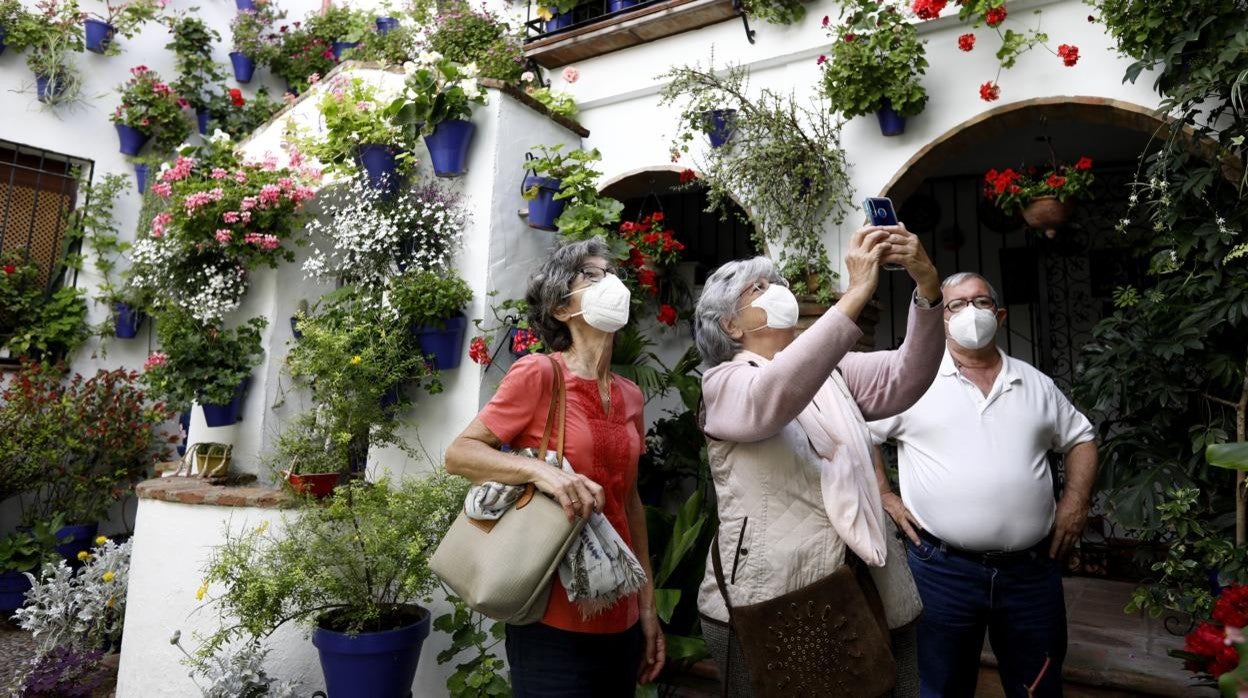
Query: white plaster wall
[172,544]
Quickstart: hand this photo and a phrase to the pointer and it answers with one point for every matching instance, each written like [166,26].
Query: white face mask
[605,303]
[973,328]
[780,305]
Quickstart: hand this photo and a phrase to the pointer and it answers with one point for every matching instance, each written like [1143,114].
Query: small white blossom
[219,136]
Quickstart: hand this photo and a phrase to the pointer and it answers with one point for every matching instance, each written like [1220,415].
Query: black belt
[990,558]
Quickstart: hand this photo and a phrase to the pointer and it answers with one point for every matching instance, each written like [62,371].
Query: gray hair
[967,276]
[719,300]
[550,286]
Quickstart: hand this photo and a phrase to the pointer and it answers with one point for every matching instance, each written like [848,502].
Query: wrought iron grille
[580,16]
[38,194]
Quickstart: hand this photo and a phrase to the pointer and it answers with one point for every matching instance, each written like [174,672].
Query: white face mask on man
[605,303]
[779,304]
[973,328]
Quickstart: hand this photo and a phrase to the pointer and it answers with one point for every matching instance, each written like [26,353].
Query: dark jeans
[1019,603]
[548,662]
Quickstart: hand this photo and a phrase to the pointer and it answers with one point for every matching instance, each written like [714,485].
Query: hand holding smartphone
[880,212]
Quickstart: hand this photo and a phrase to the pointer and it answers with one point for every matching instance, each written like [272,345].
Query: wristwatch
[925,303]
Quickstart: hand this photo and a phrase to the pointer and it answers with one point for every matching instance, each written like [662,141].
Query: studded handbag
[828,638]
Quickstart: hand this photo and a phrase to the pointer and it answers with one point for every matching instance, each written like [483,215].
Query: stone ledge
[193,490]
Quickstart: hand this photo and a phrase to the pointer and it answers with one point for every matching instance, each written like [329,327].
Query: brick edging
[195,491]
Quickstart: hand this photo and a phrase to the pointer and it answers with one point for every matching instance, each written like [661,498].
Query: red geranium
[687,175]
[667,315]
[1215,654]
[989,92]
[966,42]
[478,351]
[1069,54]
[1232,606]
[236,97]
[649,281]
[10,269]
[929,9]
[524,340]
[1011,190]
[1055,181]
[1084,164]
[995,16]
[648,242]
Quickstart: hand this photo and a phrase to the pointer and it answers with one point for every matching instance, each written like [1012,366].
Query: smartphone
[880,212]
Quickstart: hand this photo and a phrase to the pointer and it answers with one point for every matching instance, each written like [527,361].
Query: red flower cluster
[849,38]
[966,42]
[996,183]
[1055,181]
[1217,657]
[523,340]
[478,351]
[928,9]
[1083,164]
[667,315]
[821,59]
[1069,54]
[1232,607]
[236,97]
[687,175]
[649,243]
[989,92]
[10,269]
[995,16]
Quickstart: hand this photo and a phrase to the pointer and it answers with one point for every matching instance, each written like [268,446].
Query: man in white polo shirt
[977,505]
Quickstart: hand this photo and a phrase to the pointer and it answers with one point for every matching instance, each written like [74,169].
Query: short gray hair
[550,286]
[967,276]
[719,301]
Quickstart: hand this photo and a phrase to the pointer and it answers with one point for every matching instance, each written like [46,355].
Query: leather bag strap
[559,395]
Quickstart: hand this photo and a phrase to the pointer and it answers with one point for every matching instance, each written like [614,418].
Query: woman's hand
[654,651]
[578,495]
[867,248]
[906,250]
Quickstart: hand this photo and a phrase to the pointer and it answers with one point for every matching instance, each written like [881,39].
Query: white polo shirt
[973,468]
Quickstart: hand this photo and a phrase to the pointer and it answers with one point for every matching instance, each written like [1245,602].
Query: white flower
[219,136]
[471,88]
[1220,221]
[409,67]
[1133,198]
[429,57]
[527,76]
[471,70]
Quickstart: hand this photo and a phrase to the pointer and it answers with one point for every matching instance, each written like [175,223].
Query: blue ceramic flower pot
[721,126]
[341,47]
[128,320]
[371,663]
[74,539]
[202,117]
[132,139]
[244,5]
[229,413]
[49,88]
[558,21]
[448,147]
[891,123]
[140,176]
[13,588]
[617,5]
[380,164]
[99,35]
[294,328]
[244,67]
[545,209]
[386,24]
[2,45]
[445,344]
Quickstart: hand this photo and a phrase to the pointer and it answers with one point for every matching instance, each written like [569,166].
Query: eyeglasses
[755,289]
[595,274]
[981,302]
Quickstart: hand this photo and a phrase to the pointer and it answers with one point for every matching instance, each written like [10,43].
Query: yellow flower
[199,593]
[543,12]
[356,359]
[111,601]
[83,555]
[108,576]
[101,540]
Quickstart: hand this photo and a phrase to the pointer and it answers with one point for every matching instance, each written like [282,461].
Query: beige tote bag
[503,568]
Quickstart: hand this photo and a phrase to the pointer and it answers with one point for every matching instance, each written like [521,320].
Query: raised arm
[885,383]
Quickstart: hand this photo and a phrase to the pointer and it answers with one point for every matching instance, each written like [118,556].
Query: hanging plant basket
[544,209]
[445,344]
[129,319]
[448,147]
[373,663]
[244,67]
[99,34]
[891,123]
[720,126]
[48,88]
[380,163]
[131,139]
[140,176]
[1048,214]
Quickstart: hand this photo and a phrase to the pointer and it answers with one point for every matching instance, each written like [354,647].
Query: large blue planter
[448,147]
[140,176]
[230,412]
[386,24]
[379,163]
[245,5]
[128,320]
[446,345]
[558,21]
[617,5]
[49,88]
[545,209]
[891,123]
[99,35]
[341,47]
[132,139]
[720,123]
[13,588]
[202,117]
[371,664]
[244,67]
[74,539]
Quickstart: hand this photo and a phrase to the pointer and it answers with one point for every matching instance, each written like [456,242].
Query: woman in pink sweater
[784,417]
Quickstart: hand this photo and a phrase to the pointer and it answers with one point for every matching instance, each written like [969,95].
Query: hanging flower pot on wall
[128,320]
[132,140]
[231,412]
[2,45]
[49,88]
[372,663]
[891,123]
[520,341]
[1048,214]
[202,117]
[99,34]
[448,147]
[244,67]
[386,24]
[544,208]
[140,176]
[446,344]
[244,5]
[558,20]
[380,164]
[341,47]
[719,125]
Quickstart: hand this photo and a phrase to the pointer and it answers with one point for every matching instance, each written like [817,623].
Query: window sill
[643,25]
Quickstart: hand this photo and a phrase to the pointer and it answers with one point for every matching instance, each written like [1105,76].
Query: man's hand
[1068,525]
[901,516]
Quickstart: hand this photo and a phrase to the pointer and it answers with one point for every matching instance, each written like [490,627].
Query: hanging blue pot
[446,344]
[49,88]
[244,67]
[370,664]
[385,24]
[202,117]
[184,420]
[294,328]
[132,139]
[891,123]
[291,89]
[617,5]
[13,588]
[379,163]
[2,35]
[245,5]
[140,176]
[341,47]
[128,320]
[390,398]
[99,35]
[720,125]
[544,210]
[511,343]
[230,412]
[74,539]
[558,20]
[448,147]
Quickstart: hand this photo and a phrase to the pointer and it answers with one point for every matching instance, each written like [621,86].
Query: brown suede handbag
[826,639]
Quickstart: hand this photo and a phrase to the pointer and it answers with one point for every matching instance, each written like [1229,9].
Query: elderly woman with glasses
[784,416]
[576,305]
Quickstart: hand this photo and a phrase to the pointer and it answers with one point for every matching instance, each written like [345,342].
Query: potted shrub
[83,607]
[468,35]
[1045,197]
[308,458]
[250,30]
[21,553]
[437,103]
[874,65]
[811,278]
[203,363]
[50,36]
[358,134]
[11,13]
[390,47]
[544,188]
[298,55]
[341,27]
[353,569]
[34,324]
[125,18]
[199,76]
[149,109]
[433,303]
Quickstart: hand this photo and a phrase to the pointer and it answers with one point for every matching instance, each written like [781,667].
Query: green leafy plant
[587,214]
[298,54]
[199,76]
[352,116]
[50,35]
[126,19]
[199,362]
[340,23]
[811,274]
[238,116]
[393,48]
[876,56]
[252,33]
[437,90]
[429,298]
[306,447]
[482,674]
[151,107]
[776,11]
[559,103]
[478,37]
[25,551]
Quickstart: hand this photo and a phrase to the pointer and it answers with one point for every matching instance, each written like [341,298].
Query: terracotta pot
[319,485]
[1048,214]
